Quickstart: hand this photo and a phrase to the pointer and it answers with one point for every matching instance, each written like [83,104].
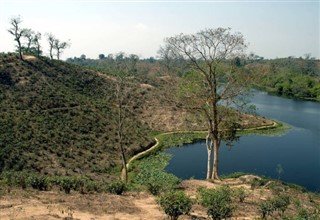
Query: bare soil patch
[57,205]
[28,57]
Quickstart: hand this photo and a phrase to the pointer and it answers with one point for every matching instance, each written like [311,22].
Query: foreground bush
[258,182]
[265,208]
[217,201]
[38,182]
[116,187]
[175,203]
[280,203]
[43,182]
[152,175]
[240,194]
[66,184]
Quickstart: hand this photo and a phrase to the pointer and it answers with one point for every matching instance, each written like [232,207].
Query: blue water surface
[298,151]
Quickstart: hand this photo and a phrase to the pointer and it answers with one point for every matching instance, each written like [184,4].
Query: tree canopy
[214,82]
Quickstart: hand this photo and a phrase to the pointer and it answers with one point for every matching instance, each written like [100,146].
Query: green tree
[101,56]
[207,53]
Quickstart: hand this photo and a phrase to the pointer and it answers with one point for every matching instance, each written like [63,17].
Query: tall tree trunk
[58,53]
[216,146]
[51,56]
[38,51]
[20,51]
[124,174]
[209,151]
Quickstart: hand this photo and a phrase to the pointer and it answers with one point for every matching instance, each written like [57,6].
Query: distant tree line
[113,63]
[28,41]
[291,77]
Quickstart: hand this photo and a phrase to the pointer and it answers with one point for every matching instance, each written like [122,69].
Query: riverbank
[274,92]
[178,138]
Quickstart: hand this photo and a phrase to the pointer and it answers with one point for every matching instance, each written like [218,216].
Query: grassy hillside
[58,118]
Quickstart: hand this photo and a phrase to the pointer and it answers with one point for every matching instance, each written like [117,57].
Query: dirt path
[56,205]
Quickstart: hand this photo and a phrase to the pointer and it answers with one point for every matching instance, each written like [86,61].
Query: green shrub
[265,208]
[154,187]
[66,183]
[175,203]
[217,201]
[18,179]
[38,182]
[280,203]
[93,186]
[116,187]
[257,182]
[304,214]
[240,193]
[234,175]
[152,175]
[276,187]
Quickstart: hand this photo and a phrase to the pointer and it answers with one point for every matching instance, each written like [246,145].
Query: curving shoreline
[153,147]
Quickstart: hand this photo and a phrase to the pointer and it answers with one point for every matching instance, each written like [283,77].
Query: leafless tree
[51,40]
[36,42]
[124,95]
[60,46]
[17,32]
[56,44]
[28,35]
[207,53]
[165,57]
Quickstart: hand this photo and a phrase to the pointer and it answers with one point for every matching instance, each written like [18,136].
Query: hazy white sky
[272,28]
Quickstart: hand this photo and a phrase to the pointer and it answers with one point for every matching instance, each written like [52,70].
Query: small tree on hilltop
[56,44]
[29,36]
[36,43]
[51,40]
[60,46]
[17,32]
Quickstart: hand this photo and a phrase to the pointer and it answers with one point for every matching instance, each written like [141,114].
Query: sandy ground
[28,57]
[57,205]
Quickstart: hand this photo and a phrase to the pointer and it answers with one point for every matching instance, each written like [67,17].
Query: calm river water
[298,151]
